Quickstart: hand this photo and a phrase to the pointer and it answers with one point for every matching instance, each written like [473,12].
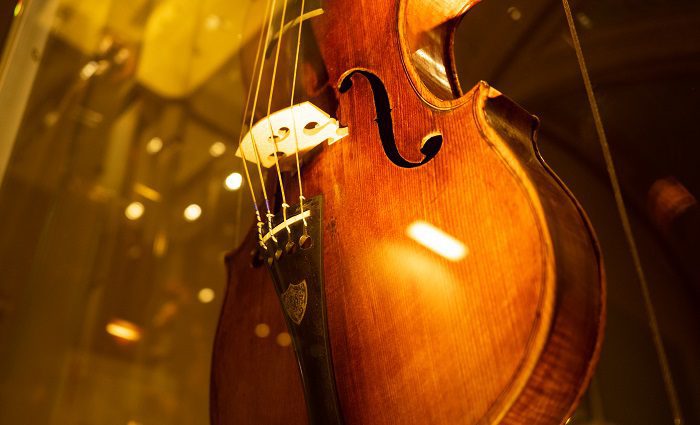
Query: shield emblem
[294,301]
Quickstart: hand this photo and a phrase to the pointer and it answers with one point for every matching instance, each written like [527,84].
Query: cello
[434,270]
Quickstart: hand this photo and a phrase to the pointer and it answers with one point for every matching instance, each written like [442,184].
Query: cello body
[254,380]
[507,333]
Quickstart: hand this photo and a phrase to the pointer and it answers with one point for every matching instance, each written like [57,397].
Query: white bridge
[313,127]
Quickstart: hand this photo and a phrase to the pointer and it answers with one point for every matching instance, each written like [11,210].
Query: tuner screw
[305,242]
[290,248]
[258,259]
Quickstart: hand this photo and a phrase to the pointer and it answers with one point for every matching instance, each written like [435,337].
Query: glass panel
[643,60]
[116,215]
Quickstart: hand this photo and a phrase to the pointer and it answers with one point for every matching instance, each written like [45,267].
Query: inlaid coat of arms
[294,300]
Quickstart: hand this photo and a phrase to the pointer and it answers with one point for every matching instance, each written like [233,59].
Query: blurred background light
[123,330]
[154,145]
[192,212]
[217,149]
[206,295]
[233,181]
[134,210]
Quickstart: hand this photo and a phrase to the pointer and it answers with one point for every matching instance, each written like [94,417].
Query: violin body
[508,333]
[254,380]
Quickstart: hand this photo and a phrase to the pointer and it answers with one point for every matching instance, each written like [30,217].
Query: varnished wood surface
[254,380]
[511,333]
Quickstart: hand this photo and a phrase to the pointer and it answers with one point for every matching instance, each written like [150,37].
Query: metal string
[624,217]
[285,205]
[243,121]
[269,214]
[294,121]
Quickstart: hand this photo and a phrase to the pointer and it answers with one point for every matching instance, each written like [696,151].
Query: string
[622,210]
[269,107]
[269,214]
[294,121]
[240,137]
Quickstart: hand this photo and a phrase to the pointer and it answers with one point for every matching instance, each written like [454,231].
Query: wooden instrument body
[254,379]
[510,333]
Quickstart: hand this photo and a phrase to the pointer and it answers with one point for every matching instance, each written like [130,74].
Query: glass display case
[120,193]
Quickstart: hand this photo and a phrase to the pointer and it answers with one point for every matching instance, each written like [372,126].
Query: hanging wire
[624,217]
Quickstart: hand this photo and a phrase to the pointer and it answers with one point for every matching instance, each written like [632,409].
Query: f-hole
[431,143]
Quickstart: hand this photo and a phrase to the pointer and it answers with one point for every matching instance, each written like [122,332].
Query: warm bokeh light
[206,295]
[192,212]
[284,339]
[160,244]
[212,22]
[514,13]
[436,240]
[154,145]
[123,330]
[217,149]
[90,69]
[262,330]
[233,181]
[147,192]
[134,210]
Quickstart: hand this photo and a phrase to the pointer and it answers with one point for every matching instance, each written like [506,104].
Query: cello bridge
[303,125]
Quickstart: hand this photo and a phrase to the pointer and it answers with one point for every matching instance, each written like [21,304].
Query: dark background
[644,62]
